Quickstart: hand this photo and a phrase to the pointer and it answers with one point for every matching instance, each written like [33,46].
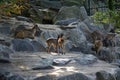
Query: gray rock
[46,77]
[107,54]
[75,76]
[5,27]
[83,13]
[16,77]
[66,22]
[22,45]
[22,18]
[117,74]
[6,49]
[4,74]
[86,59]
[44,64]
[68,13]
[4,57]
[103,75]
[61,61]
[42,68]
[38,47]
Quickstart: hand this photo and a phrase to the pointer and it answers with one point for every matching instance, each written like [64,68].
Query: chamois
[98,44]
[26,33]
[57,43]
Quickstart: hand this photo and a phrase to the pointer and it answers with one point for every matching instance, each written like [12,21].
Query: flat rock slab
[23,62]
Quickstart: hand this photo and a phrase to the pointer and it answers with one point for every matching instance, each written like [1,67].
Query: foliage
[111,4]
[105,17]
[8,7]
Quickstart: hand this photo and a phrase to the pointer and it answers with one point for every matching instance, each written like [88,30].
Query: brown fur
[26,33]
[97,46]
[109,39]
[56,43]
[96,35]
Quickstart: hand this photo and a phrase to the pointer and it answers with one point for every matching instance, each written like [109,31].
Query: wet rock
[16,77]
[86,59]
[4,57]
[103,75]
[61,61]
[22,45]
[75,76]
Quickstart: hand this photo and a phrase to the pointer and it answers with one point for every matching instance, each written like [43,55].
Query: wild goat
[95,35]
[109,40]
[26,33]
[56,43]
[97,46]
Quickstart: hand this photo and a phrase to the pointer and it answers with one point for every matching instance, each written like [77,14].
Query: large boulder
[103,75]
[86,59]
[38,46]
[75,76]
[107,54]
[22,45]
[70,12]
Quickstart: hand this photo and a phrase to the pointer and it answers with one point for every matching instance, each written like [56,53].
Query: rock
[68,45]
[66,13]
[83,13]
[86,59]
[6,49]
[75,76]
[38,46]
[61,61]
[46,77]
[5,28]
[66,22]
[76,36]
[4,74]
[44,64]
[4,57]
[49,4]
[42,68]
[3,42]
[103,75]
[107,54]
[21,18]
[16,77]
[22,45]
[117,74]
